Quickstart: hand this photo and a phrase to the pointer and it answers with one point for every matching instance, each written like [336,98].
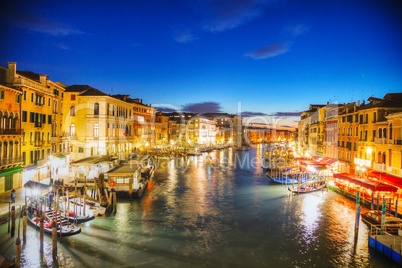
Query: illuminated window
[72,130]
[96,130]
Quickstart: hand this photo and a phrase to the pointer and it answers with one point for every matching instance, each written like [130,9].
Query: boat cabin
[127,179]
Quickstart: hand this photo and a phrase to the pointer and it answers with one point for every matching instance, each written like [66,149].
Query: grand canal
[228,215]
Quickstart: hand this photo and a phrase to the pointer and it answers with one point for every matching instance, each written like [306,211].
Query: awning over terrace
[384,177]
[368,184]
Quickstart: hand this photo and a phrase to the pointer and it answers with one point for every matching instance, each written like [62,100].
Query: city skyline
[275,57]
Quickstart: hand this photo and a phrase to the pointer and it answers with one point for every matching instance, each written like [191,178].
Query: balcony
[397,142]
[10,131]
[11,161]
[380,141]
[379,167]
[39,143]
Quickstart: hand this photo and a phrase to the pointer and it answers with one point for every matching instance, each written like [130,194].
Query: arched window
[384,132]
[5,121]
[72,111]
[1,120]
[10,120]
[72,130]
[96,130]
[379,156]
[96,109]
[384,157]
[380,133]
[390,158]
[11,150]
[5,149]
[390,131]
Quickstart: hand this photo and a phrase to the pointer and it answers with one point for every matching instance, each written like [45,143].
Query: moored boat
[308,186]
[63,227]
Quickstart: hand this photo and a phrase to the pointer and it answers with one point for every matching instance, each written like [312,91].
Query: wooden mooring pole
[41,232]
[24,226]
[9,215]
[54,239]
[18,244]
[12,221]
[358,210]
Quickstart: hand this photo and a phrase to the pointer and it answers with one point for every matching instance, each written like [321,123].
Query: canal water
[226,215]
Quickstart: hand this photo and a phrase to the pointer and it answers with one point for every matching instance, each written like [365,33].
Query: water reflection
[200,215]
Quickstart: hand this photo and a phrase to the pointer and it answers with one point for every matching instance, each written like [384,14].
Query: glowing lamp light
[146,144]
[35,192]
[369,150]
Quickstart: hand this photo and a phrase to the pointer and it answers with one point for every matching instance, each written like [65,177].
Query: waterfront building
[331,130]
[201,131]
[99,124]
[178,128]
[10,138]
[143,122]
[161,129]
[41,106]
[309,125]
[229,127]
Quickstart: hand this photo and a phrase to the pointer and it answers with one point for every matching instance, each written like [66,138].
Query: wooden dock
[387,244]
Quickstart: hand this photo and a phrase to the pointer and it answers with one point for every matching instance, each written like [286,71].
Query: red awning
[396,181]
[369,184]
[328,160]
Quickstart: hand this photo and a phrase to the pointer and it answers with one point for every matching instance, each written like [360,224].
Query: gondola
[66,229]
[308,187]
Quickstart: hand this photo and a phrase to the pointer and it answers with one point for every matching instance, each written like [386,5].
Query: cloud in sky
[166,109]
[203,107]
[224,15]
[286,114]
[296,30]
[62,46]
[269,51]
[40,25]
[184,36]
[251,114]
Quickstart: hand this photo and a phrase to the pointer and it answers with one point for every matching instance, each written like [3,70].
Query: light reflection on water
[221,215]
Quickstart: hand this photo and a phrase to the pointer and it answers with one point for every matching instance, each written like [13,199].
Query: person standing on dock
[13,195]
[50,199]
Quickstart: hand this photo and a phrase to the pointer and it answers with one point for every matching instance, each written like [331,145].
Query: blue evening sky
[274,56]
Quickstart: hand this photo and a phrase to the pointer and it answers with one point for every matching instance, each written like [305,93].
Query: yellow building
[40,108]
[10,138]
[99,124]
[161,129]
[395,144]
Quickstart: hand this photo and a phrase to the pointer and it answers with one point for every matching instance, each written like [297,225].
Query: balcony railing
[397,142]
[10,131]
[379,167]
[380,141]
[39,143]
[11,160]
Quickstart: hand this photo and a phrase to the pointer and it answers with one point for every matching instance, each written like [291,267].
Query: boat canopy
[124,170]
[369,184]
[34,185]
[139,158]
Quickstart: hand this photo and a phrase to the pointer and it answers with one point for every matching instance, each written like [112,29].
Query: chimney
[358,103]
[327,102]
[11,72]
[42,79]
[141,100]
[364,102]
